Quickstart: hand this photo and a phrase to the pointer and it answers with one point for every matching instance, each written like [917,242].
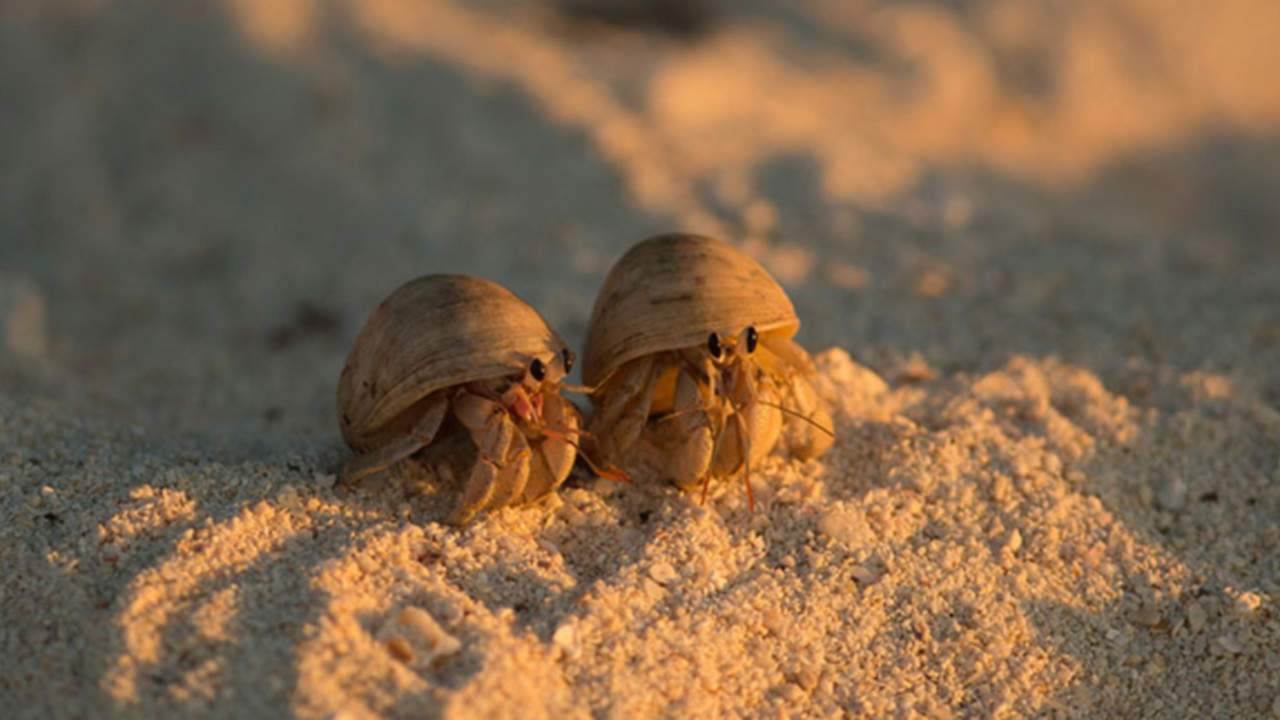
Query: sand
[1035,248]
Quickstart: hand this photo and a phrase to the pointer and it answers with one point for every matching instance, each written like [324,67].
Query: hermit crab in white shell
[464,377]
[692,365]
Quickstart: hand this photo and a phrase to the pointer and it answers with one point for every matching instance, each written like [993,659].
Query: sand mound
[1021,541]
[1040,237]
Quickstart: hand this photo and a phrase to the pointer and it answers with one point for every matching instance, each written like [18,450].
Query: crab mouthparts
[523,405]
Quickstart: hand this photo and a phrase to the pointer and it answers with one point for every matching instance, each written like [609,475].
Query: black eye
[752,338]
[713,345]
[537,369]
[567,354]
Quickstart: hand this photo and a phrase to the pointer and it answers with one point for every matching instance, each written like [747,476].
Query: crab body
[694,372]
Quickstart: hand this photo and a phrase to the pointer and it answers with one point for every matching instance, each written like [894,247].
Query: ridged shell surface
[670,292]
[431,333]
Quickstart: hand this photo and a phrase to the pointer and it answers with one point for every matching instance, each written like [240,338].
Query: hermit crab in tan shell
[693,369]
[462,376]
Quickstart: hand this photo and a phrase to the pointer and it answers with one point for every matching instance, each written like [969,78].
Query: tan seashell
[431,333]
[670,291]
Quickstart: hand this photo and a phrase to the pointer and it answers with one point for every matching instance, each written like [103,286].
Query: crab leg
[502,466]
[690,433]
[553,455]
[621,418]
[513,471]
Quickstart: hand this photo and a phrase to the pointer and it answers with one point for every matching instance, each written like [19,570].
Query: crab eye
[713,345]
[567,354]
[537,369]
[752,338]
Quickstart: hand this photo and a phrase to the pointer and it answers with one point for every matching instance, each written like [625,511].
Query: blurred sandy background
[1047,232]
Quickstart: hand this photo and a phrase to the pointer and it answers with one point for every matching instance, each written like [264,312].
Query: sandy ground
[1042,241]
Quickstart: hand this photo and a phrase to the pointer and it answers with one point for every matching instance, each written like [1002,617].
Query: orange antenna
[613,472]
[796,414]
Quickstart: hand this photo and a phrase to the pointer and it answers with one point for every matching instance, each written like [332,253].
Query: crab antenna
[613,472]
[796,414]
[678,413]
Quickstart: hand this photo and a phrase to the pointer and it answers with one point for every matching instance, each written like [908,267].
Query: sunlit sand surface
[1033,247]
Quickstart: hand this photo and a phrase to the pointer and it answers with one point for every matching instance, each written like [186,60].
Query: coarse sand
[1034,246]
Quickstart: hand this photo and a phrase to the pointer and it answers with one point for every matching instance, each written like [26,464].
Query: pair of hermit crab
[689,364]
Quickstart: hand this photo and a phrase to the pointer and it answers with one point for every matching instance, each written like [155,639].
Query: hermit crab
[461,376]
[693,371]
